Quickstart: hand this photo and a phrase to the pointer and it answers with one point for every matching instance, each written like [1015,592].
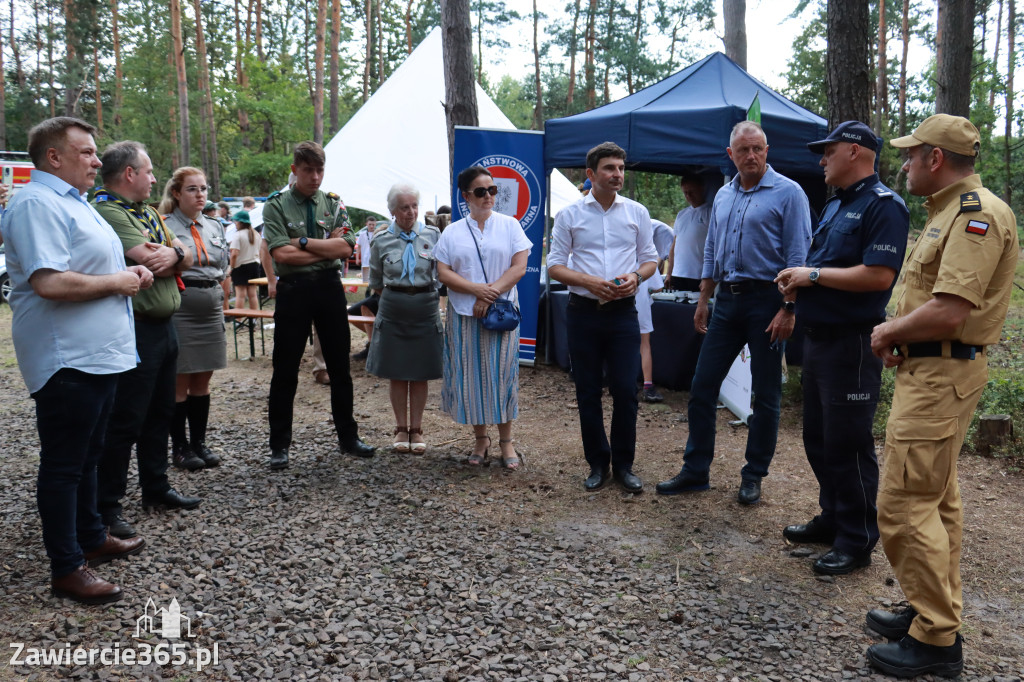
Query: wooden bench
[247,317]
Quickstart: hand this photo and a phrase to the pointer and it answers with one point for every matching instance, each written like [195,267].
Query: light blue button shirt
[49,226]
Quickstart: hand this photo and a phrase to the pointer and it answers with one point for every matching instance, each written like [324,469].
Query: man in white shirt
[605,236]
[686,260]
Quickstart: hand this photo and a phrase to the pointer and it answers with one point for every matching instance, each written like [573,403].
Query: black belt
[934,349]
[297,277]
[577,301]
[200,283]
[826,332]
[139,317]
[746,286]
[409,290]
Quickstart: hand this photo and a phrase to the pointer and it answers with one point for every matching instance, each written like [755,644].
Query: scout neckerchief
[157,230]
[409,255]
[197,237]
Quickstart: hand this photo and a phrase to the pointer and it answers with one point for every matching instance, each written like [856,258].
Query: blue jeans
[72,410]
[738,319]
[141,417]
[602,340]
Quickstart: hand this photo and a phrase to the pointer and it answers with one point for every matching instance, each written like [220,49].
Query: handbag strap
[478,254]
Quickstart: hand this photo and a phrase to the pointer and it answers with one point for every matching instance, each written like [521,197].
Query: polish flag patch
[977,227]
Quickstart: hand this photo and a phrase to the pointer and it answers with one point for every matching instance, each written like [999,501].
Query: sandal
[416,448]
[400,445]
[511,463]
[477,459]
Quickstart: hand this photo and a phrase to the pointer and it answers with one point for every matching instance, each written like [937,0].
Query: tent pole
[547,281]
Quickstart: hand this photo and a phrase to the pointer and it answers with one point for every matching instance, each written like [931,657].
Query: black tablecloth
[674,342]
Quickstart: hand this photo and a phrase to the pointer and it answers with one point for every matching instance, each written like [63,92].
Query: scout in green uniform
[308,234]
[957,289]
[145,395]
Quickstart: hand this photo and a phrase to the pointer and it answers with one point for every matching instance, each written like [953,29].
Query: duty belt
[577,301]
[942,349]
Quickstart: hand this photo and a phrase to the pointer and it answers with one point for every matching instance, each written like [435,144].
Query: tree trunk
[3,93]
[172,113]
[954,45]
[50,33]
[993,431]
[378,53]
[258,33]
[179,66]
[459,86]
[590,81]
[538,110]
[335,63]
[631,63]
[882,82]
[995,55]
[318,72]
[19,72]
[905,35]
[118,73]
[480,40]
[734,13]
[608,37]
[369,50]
[572,51]
[99,90]
[847,60]
[241,80]
[1011,34]
[408,26]
[211,162]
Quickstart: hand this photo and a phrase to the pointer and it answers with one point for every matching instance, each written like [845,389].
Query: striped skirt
[481,372]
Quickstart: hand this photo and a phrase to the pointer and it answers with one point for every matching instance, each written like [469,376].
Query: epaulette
[884,192]
[273,195]
[332,195]
[970,202]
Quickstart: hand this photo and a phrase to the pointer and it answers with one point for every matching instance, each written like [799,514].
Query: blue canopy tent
[684,121]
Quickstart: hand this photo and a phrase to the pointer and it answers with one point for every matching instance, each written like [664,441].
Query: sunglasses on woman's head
[479,192]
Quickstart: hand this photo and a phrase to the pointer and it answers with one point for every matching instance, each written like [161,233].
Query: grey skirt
[407,337]
[202,344]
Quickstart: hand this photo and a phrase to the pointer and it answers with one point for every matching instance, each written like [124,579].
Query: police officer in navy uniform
[852,265]
[308,234]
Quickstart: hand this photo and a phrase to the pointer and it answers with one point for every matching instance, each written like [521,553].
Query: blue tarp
[685,120]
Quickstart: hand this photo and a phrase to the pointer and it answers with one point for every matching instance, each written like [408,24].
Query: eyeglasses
[479,192]
[192,189]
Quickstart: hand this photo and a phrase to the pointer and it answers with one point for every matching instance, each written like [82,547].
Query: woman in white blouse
[480,258]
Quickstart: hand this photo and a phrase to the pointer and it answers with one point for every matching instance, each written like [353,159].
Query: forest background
[233,85]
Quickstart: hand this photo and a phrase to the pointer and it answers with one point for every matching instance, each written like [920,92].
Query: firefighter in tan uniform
[957,289]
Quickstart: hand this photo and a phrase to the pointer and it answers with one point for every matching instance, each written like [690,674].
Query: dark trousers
[737,319]
[72,410]
[841,380]
[601,340]
[141,417]
[319,301]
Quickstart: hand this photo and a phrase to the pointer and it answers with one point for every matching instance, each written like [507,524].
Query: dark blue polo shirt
[866,223]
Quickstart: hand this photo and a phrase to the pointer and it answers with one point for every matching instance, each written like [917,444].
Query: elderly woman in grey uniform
[407,333]
[200,320]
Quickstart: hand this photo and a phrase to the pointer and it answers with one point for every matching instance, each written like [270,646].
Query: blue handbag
[503,315]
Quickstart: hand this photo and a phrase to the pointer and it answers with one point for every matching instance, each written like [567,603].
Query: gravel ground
[423,568]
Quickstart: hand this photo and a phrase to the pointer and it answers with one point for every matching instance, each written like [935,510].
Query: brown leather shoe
[321,377]
[114,548]
[85,587]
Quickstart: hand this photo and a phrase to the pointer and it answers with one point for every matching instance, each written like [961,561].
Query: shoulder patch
[970,202]
[332,195]
[977,227]
[274,195]
[883,192]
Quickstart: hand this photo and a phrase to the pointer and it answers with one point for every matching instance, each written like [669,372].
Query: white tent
[400,135]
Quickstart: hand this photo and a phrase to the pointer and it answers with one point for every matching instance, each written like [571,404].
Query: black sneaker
[651,395]
[363,354]
[279,459]
[209,457]
[118,527]
[182,457]
[910,658]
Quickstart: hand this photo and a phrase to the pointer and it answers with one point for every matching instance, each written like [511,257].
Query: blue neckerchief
[409,255]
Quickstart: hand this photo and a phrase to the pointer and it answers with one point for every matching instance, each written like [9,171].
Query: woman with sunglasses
[202,345]
[480,258]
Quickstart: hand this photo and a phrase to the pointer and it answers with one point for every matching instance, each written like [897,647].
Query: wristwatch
[813,275]
[302,242]
[181,253]
[639,277]
[789,306]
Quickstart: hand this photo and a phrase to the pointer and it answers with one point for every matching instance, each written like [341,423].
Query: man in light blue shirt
[760,224]
[73,335]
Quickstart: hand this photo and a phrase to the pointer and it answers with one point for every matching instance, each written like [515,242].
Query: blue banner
[515,159]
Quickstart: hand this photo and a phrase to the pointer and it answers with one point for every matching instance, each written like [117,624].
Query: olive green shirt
[289,215]
[161,300]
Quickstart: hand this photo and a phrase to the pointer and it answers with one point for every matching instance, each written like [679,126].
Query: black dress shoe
[889,624]
[629,481]
[814,531]
[355,446]
[910,658]
[183,458]
[209,457]
[597,479]
[837,562]
[171,499]
[118,527]
[750,492]
[682,483]
[279,459]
